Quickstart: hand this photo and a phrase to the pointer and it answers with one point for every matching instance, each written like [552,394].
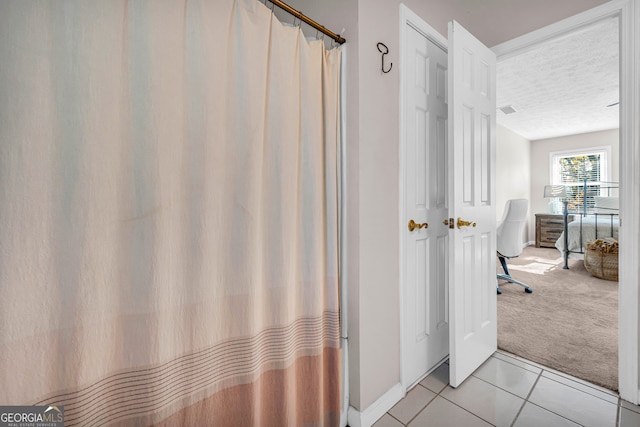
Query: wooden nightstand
[549,228]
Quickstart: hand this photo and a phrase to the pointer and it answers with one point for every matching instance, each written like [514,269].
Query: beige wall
[373,162]
[513,171]
[540,163]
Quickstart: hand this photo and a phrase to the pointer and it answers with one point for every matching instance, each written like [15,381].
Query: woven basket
[601,264]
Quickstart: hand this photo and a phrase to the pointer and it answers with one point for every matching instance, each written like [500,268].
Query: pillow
[606,204]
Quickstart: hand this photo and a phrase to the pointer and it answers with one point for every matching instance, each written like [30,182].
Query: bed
[589,224]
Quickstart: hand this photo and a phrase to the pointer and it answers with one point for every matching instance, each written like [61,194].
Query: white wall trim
[628,12]
[377,409]
[402,170]
[530,40]
[408,17]
[342,236]
[628,294]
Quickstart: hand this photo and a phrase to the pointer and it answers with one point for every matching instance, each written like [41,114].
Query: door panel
[472,305]
[421,299]
[442,281]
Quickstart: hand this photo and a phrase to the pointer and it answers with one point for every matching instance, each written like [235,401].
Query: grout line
[592,386]
[560,415]
[425,406]
[466,410]
[420,411]
[533,387]
[526,399]
[513,358]
[619,413]
[542,407]
[500,388]
[555,413]
[391,415]
[635,408]
[524,402]
[518,366]
[582,391]
[587,383]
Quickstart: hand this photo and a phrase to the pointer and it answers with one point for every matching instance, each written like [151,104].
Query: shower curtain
[168,214]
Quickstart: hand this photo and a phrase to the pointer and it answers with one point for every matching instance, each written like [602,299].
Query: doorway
[629,274]
[629,15]
[575,119]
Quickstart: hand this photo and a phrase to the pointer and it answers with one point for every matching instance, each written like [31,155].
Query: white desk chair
[509,238]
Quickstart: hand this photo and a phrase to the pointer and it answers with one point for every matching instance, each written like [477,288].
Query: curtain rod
[282,5]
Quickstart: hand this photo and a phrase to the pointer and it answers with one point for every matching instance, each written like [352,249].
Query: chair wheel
[528,290]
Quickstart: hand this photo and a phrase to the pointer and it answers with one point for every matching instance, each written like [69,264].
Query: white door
[472,277]
[426,250]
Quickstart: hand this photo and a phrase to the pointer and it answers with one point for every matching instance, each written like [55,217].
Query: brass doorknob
[462,223]
[412,225]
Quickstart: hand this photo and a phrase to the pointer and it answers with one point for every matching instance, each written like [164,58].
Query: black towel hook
[386,51]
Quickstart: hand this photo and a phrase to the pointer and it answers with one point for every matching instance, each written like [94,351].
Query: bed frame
[604,223]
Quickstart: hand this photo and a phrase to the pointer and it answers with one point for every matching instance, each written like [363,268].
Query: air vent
[507,109]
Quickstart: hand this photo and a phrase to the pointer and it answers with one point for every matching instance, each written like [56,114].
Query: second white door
[426,249]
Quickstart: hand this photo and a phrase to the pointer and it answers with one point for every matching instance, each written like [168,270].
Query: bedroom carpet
[569,322]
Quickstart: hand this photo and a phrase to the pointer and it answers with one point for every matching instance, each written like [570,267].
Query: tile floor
[510,391]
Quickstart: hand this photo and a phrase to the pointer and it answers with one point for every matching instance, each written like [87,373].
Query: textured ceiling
[563,86]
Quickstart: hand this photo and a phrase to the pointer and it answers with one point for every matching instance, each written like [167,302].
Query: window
[583,173]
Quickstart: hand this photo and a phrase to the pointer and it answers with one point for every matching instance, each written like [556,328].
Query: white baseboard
[377,409]
[530,243]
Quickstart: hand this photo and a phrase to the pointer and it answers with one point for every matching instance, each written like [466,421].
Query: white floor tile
[534,416]
[629,418]
[495,395]
[573,404]
[413,402]
[518,361]
[388,421]
[442,413]
[630,406]
[581,385]
[485,400]
[438,379]
[511,378]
